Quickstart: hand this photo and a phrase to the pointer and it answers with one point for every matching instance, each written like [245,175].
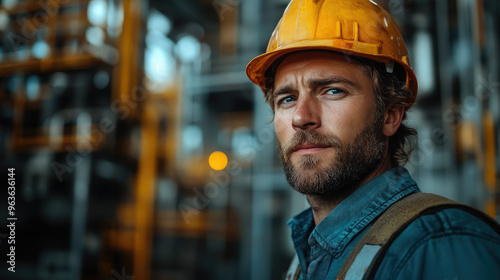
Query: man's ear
[392,119]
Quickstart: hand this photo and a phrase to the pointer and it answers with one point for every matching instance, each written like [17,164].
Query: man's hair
[389,90]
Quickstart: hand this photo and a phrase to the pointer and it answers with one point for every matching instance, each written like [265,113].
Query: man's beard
[352,163]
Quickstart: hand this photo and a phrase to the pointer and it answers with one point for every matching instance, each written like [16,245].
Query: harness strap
[293,272]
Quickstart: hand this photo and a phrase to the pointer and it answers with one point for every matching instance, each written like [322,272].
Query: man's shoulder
[453,241]
[449,222]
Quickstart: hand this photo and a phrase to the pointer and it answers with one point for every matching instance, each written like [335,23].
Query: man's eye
[287,99]
[334,91]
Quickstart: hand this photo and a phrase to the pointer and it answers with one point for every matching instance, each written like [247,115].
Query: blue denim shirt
[450,244]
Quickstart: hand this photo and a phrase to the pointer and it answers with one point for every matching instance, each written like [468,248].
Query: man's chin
[306,188]
[312,163]
[310,180]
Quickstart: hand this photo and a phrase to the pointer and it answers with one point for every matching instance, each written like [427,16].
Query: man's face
[328,128]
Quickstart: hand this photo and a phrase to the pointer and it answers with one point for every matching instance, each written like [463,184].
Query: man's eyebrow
[284,89]
[332,80]
[312,83]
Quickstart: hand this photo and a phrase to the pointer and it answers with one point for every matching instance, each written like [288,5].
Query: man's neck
[322,205]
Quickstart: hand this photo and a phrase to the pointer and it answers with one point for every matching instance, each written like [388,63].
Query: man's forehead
[316,62]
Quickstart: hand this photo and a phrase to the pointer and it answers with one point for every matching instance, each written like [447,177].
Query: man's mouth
[309,148]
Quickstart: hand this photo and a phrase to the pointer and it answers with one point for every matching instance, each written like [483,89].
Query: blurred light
[115,19]
[156,38]
[22,53]
[92,242]
[424,61]
[159,22]
[9,4]
[217,160]
[192,140]
[73,27]
[101,79]
[4,20]
[40,49]
[206,51]
[105,169]
[423,54]
[109,54]
[59,82]
[167,193]
[96,12]
[159,65]
[462,55]
[224,137]
[188,48]
[195,29]
[42,33]
[14,84]
[32,87]
[243,143]
[72,45]
[95,36]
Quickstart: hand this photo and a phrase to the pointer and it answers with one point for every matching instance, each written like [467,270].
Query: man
[338,77]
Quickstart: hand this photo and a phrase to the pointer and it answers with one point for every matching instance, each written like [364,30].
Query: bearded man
[338,78]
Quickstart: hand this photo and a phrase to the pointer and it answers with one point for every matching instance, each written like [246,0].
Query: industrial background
[142,151]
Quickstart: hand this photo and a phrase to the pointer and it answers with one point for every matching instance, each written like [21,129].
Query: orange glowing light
[217,160]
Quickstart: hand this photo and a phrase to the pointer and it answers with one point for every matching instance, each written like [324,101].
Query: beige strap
[297,273]
[293,272]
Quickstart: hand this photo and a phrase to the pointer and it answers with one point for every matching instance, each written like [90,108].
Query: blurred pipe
[56,127]
[19,107]
[126,75]
[464,42]
[480,24]
[490,83]
[478,45]
[490,166]
[257,245]
[262,192]
[145,192]
[470,74]
[446,90]
[80,200]
[491,99]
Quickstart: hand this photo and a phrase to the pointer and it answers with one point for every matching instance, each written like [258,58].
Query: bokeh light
[217,160]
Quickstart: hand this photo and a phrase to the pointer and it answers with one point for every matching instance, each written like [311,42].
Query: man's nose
[307,113]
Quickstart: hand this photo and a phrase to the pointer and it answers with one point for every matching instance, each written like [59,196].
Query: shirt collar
[354,213]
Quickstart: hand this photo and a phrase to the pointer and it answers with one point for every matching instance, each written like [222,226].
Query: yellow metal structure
[145,192]
[355,27]
[490,163]
[490,166]
[126,77]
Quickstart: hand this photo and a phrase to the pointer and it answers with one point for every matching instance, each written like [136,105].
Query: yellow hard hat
[353,27]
